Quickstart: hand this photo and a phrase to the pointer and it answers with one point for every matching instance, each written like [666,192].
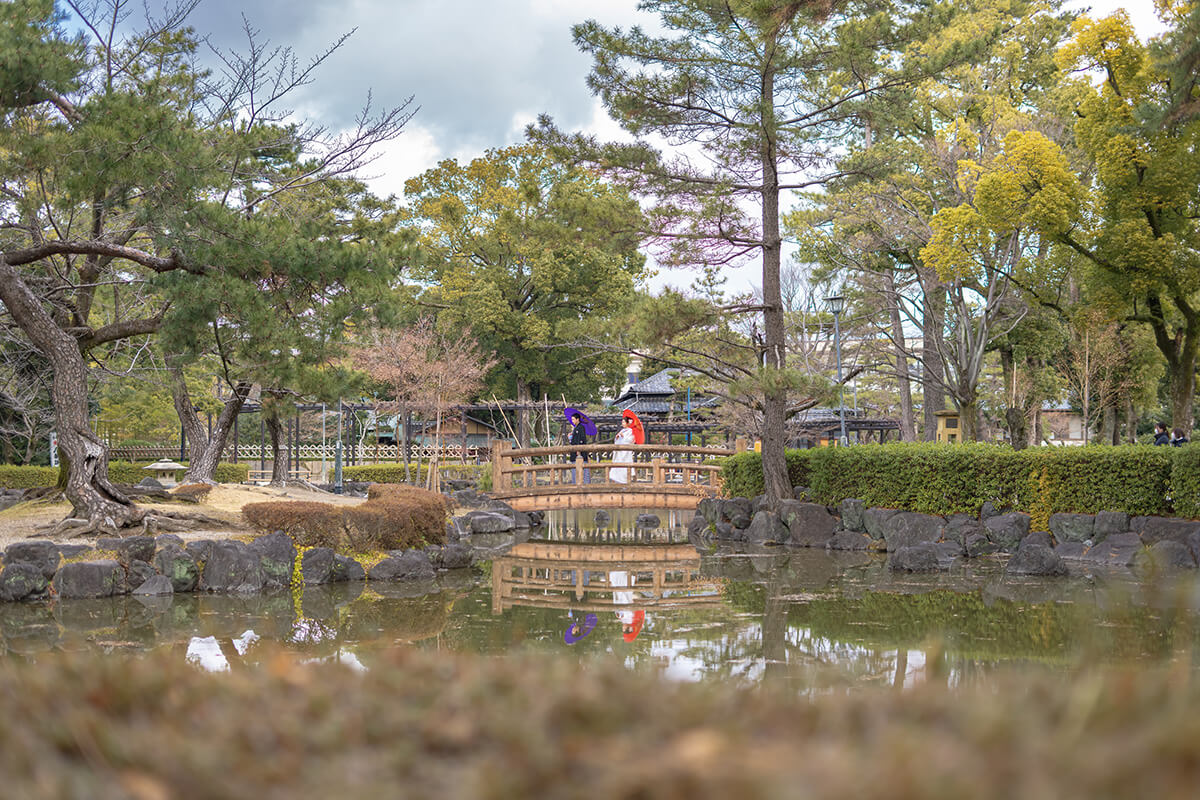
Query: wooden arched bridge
[582,577]
[660,476]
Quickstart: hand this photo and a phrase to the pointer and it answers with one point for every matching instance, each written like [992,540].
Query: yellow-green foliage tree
[1131,215]
[902,222]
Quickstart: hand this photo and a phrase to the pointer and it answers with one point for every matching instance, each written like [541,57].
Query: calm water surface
[813,619]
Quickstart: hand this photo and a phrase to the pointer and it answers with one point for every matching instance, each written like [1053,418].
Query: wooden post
[498,448]
[657,465]
[739,444]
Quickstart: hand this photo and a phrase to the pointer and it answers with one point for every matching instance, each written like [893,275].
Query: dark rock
[948,552]
[851,511]
[1072,527]
[1035,559]
[434,553]
[649,521]
[277,555]
[874,519]
[810,524]
[766,527]
[41,554]
[1157,529]
[921,557]
[499,507]
[317,566]
[135,548]
[1109,522]
[709,508]
[84,579]
[179,567]
[602,517]
[456,556]
[961,526]
[233,567]
[150,483]
[849,540]
[138,573]
[758,504]
[801,493]
[108,543]
[1072,550]
[521,521]
[1169,554]
[988,510]
[461,526]
[164,539]
[452,534]
[10,497]
[489,522]
[1007,530]
[410,566]
[74,550]
[1118,550]
[723,531]
[1039,537]
[536,518]
[977,544]
[1194,545]
[348,569]
[698,526]
[736,511]
[909,528]
[469,498]
[20,581]
[200,549]
[155,585]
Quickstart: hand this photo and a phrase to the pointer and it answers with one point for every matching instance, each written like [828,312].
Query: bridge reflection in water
[602,577]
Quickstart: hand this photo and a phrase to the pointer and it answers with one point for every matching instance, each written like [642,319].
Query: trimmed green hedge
[394,473]
[1185,480]
[18,477]
[15,477]
[959,478]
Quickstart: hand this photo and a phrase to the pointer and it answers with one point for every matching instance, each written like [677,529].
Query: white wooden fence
[356,454]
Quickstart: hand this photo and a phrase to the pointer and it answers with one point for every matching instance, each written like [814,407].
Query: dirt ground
[30,520]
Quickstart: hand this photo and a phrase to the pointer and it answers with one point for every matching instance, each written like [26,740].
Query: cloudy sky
[479,70]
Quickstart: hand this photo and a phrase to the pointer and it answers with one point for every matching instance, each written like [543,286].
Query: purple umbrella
[589,622]
[589,427]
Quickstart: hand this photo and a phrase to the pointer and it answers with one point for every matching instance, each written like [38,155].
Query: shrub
[192,491]
[394,473]
[1185,480]
[958,478]
[20,477]
[309,524]
[395,517]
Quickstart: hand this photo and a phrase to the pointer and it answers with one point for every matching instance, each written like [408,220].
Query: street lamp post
[836,304]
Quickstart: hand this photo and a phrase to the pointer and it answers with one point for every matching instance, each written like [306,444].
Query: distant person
[579,436]
[1161,437]
[624,436]
[1178,438]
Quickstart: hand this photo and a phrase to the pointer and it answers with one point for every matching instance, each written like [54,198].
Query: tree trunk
[1014,416]
[933,371]
[92,495]
[205,451]
[523,400]
[279,453]
[774,463]
[1131,422]
[908,423]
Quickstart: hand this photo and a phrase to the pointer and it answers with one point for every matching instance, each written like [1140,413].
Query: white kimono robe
[621,474]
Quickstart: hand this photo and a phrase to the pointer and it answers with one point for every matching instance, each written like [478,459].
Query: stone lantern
[164,471]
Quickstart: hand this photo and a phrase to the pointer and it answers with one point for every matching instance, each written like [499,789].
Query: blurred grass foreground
[432,725]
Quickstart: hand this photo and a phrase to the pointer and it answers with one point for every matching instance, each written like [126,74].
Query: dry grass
[426,725]
[224,502]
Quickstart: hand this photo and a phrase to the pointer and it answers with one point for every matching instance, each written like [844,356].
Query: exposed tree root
[157,521]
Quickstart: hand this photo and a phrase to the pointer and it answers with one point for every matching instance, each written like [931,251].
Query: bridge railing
[654,466]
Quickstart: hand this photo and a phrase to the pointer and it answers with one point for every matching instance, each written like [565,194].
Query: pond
[813,620]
